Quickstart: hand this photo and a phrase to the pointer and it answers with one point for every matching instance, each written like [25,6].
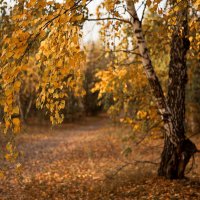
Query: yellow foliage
[141,114]
[16,125]
[42,56]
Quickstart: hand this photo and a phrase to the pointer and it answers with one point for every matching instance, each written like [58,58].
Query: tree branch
[130,163]
[32,40]
[109,18]
[145,5]
[125,51]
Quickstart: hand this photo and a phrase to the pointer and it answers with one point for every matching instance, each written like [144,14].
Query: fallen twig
[130,163]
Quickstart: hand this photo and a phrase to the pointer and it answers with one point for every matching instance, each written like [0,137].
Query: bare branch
[125,51]
[109,18]
[120,168]
[145,5]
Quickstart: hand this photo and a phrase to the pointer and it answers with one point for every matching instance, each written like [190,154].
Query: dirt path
[77,161]
[67,155]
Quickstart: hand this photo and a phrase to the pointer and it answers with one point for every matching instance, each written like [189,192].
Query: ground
[84,160]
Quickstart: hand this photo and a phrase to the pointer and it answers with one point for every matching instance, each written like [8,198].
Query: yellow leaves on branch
[11,110]
[109,5]
[16,125]
[47,44]
[11,153]
[142,114]
[61,65]
[17,85]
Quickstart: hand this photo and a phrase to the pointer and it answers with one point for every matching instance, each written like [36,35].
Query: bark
[173,162]
[178,149]
[152,77]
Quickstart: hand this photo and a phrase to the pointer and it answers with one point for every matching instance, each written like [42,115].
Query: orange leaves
[31,3]
[16,45]
[11,153]
[15,110]
[154,6]
[77,18]
[84,2]
[13,49]
[142,114]
[16,125]
[42,3]
[61,61]
[148,2]
[109,5]
[17,85]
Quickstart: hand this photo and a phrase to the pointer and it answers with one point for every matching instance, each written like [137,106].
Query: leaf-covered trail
[77,161]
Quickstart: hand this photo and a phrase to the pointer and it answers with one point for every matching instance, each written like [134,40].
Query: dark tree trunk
[174,159]
[177,149]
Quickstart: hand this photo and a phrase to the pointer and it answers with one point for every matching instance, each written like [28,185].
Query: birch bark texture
[173,164]
[177,149]
[151,75]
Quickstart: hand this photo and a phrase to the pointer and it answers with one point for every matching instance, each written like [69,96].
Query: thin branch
[130,63]
[193,135]
[51,20]
[109,18]
[32,40]
[142,139]
[120,168]
[145,162]
[145,5]
[29,107]
[125,51]
[20,108]
[141,5]
[191,167]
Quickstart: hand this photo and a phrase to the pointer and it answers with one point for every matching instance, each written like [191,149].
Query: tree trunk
[178,149]
[173,161]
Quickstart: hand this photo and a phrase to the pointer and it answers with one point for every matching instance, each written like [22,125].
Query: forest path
[50,148]
[77,161]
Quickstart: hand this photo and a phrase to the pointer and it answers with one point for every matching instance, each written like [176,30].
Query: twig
[125,51]
[130,163]
[117,170]
[145,162]
[108,18]
[42,28]
[20,107]
[29,107]
[51,20]
[147,135]
[193,135]
[193,162]
[141,5]
[145,5]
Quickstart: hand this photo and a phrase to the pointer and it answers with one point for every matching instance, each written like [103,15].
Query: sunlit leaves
[60,65]
[128,91]
[11,153]
[47,31]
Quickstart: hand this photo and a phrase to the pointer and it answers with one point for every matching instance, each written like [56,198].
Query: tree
[178,149]
[173,163]
[60,59]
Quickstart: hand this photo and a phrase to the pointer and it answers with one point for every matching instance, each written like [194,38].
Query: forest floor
[84,160]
